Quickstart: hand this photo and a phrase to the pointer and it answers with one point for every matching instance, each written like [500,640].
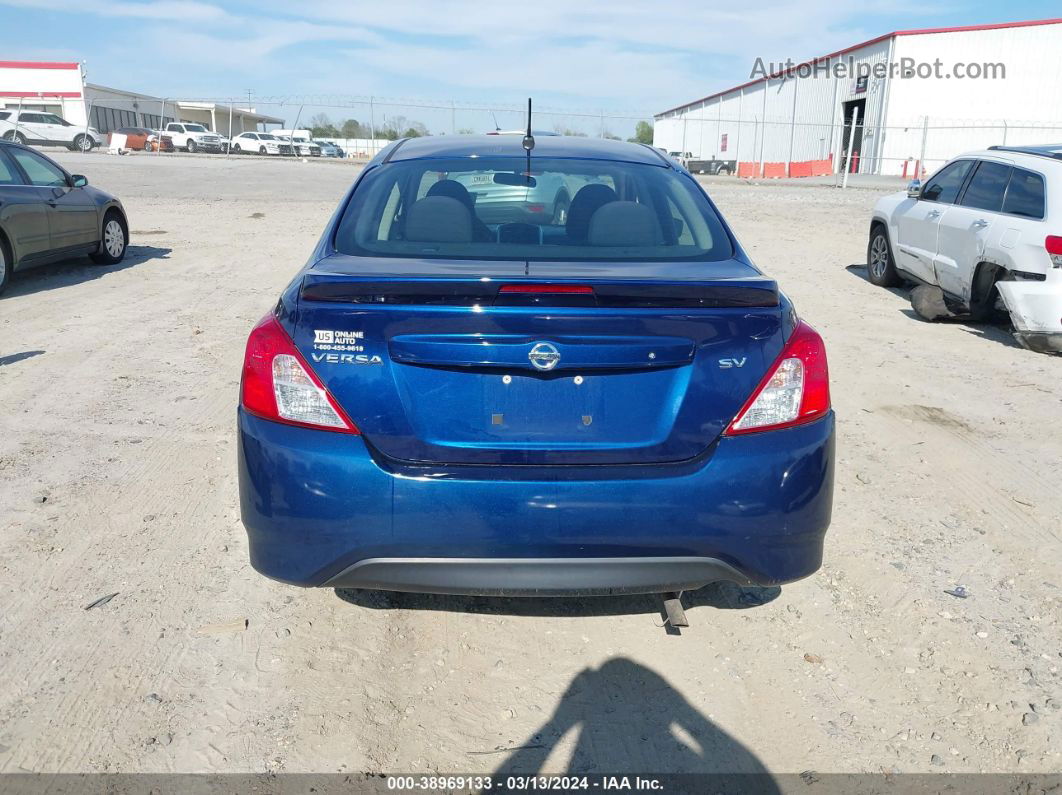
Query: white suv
[987,226]
[35,127]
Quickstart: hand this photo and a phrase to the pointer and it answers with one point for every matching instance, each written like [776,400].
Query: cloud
[621,54]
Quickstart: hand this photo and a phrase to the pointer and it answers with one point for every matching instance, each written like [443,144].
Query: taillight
[279,385]
[795,390]
[1053,244]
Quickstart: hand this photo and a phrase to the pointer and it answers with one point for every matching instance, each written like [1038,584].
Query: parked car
[329,149]
[193,137]
[618,403]
[301,140]
[304,147]
[144,139]
[259,143]
[987,230]
[42,129]
[48,214]
[682,158]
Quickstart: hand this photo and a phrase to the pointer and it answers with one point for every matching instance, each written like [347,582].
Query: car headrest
[585,203]
[438,219]
[453,189]
[623,224]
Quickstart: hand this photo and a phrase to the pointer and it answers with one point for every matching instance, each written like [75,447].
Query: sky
[589,64]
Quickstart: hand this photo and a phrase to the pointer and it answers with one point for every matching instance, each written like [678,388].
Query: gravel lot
[117,475]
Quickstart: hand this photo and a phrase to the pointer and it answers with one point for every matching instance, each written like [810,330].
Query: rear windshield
[562,209]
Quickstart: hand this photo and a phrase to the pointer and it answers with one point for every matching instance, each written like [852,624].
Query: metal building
[919,97]
[60,88]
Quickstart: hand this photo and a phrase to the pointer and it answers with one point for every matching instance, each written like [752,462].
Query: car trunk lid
[500,363]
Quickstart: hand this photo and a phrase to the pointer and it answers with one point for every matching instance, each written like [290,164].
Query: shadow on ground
[12,358]
[631,721]
[721,595]
[78,270]
[996,330]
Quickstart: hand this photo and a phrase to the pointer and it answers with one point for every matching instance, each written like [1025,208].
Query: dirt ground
[117,476]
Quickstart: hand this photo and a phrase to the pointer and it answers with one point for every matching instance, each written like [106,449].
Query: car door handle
[980,223]
[933,214]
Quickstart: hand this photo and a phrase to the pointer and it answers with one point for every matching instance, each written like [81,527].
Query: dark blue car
[616,401]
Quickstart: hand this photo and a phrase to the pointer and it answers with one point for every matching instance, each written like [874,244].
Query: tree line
[395,127]
[391,128]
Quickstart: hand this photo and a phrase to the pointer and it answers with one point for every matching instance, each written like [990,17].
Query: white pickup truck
[194,137]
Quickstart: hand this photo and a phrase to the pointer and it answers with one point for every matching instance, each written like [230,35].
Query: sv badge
[726,364]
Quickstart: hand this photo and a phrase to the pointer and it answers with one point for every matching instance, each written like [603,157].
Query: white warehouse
[919,96]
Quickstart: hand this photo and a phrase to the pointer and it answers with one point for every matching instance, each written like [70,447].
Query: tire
[17,137]
[6,265]
[236,149]
[881,270]
[147,145]
[560,210]
[190,146]
[82,143]
[262,150]
[115,240]
[724,172]
[983,293]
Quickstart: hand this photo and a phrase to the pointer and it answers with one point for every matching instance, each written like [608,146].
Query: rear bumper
[320,510]
[535,577]
[1036,310]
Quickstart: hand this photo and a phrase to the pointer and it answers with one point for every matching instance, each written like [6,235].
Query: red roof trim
[36,94]
[37,65]
[917,32]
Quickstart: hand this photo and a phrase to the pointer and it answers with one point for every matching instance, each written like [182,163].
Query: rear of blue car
[614,401]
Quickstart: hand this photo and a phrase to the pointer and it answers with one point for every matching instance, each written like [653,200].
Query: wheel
[83,143]
[5,265]
[261,150]
[724,172]
[115,240]
[147,145]
[17,137]
[560,210]
[190,146]
[880,267]
[236,148]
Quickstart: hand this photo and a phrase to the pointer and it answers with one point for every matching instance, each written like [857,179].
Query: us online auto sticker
[346,347]
[329,340]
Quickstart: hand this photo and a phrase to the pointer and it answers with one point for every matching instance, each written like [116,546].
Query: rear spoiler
[430,291]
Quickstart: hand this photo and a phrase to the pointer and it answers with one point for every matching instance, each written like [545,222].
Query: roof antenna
[496,127]
[529,141]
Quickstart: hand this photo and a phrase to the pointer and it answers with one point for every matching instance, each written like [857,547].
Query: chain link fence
[746,147]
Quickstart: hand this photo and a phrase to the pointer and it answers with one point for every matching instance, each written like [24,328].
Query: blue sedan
[613,401]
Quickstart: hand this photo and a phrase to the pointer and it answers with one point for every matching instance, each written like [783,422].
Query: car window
[51,118]
[4,114]
[944,187]
[569,209]
[195,128]
[8,174]
[987,187]
[40,171]
[1025,195]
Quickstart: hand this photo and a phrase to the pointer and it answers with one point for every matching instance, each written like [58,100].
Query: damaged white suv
[987,230]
